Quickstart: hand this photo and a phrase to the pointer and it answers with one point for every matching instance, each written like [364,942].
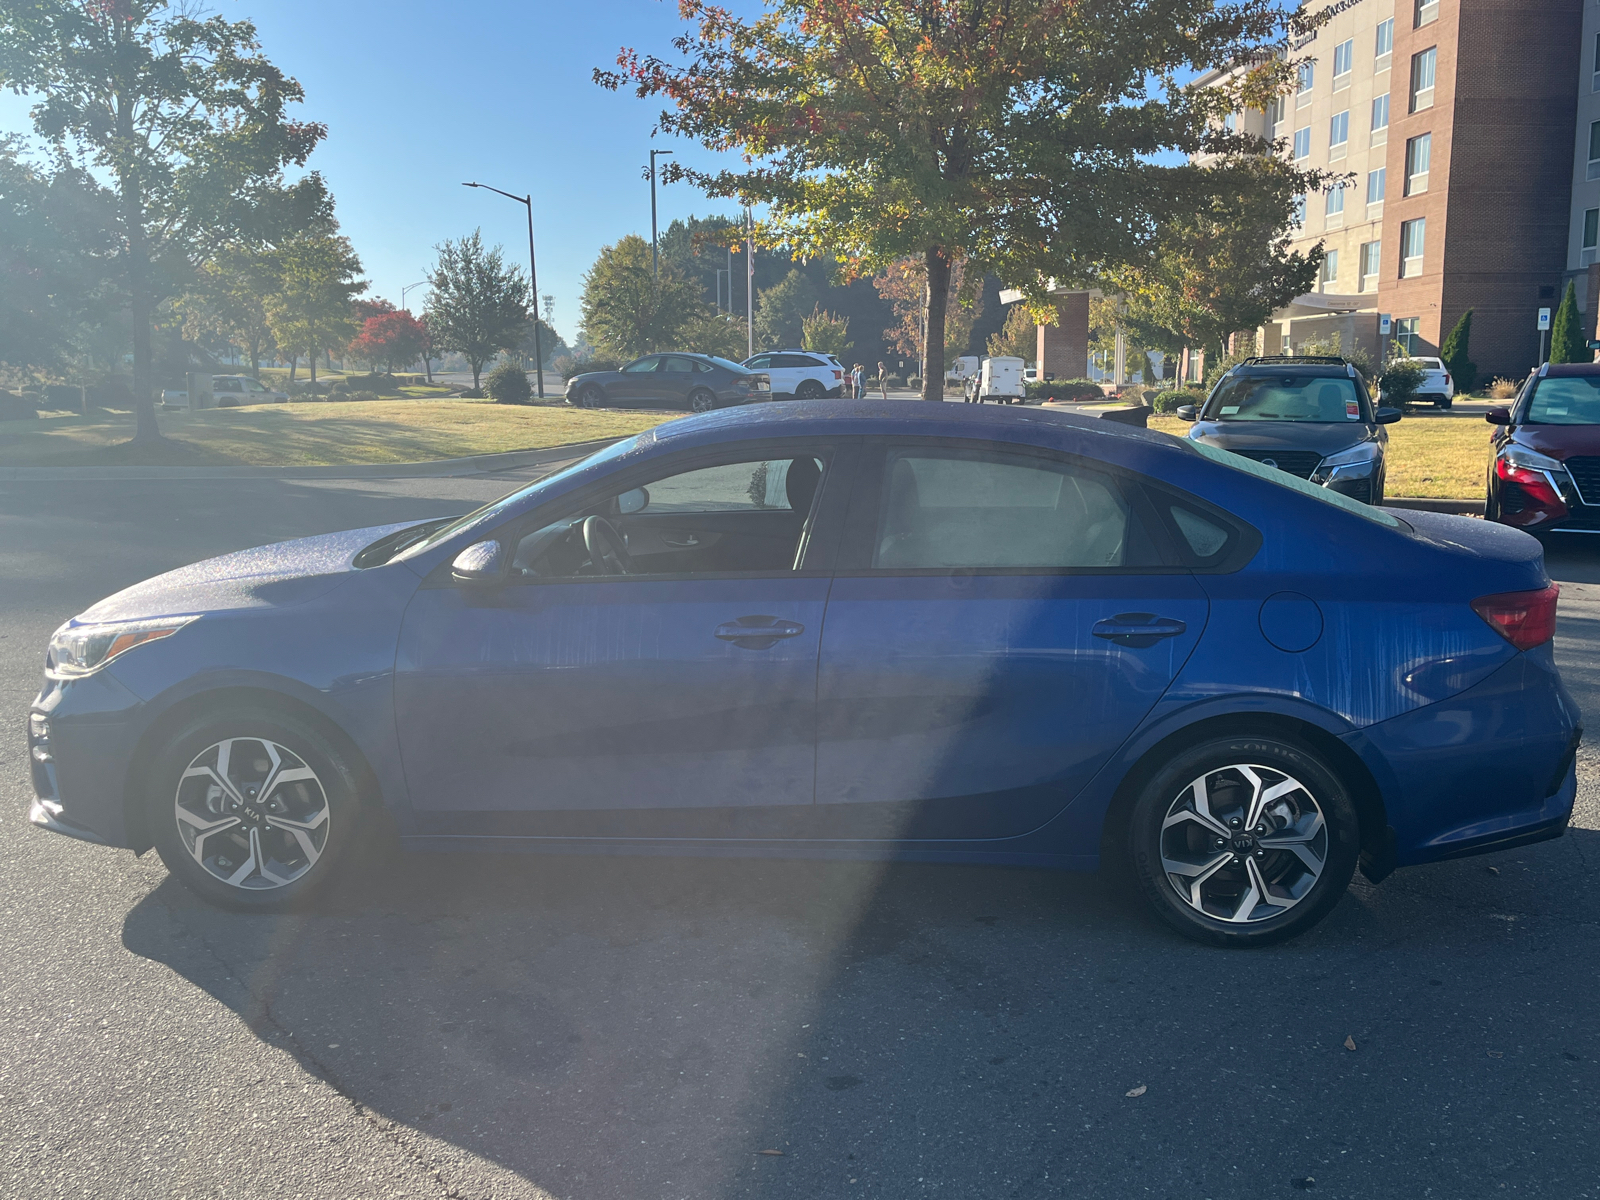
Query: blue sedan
[843,630]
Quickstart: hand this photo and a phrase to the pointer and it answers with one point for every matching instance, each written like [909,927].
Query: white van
[1001,380]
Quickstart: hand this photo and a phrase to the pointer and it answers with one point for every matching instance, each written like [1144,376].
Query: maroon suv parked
[1544,475]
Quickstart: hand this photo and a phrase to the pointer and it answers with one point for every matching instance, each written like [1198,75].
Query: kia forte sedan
[1310,417]
[842,630]
[1544,459]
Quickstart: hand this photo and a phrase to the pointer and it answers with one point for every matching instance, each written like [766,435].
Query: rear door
[674,379]
[1000,622]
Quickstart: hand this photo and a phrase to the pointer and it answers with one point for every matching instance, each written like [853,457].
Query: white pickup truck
[1436,385]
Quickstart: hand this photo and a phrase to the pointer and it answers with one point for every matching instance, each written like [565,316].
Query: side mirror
[1498,416]
[480,562]
[633,501]
[1388,416]
[1186,412]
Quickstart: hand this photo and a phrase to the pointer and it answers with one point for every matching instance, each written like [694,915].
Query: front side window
[1564,401]
[1413,236]
[642,366]
[1376,182]
[1302,143]
[1339,128]
[1343,56]
[1419,151]
[960,509]
[1422,72]
[1385,39]
[760,362]
[1322,399]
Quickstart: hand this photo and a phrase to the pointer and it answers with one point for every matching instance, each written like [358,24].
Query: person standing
[883,380]
[858,382]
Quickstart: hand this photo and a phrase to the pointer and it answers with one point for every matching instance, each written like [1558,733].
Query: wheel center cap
[1243,843]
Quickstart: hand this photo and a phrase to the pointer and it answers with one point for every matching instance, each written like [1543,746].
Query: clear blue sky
[419,95]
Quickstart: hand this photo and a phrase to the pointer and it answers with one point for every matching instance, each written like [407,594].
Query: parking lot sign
[1544,319]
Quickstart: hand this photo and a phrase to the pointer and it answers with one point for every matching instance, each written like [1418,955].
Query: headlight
[1363,452]
[1520,456]
[79,649]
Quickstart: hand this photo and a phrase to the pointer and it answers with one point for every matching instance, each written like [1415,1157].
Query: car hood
[1559,441]
[272,576]
[1324,437]
[595,377]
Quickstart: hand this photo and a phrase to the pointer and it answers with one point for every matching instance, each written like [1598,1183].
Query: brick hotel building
[1469,132]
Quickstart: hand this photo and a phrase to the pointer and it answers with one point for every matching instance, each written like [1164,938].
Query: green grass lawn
[1435,456]
[311,434]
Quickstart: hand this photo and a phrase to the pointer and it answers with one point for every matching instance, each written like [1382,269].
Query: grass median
[1442,457]
[320,434]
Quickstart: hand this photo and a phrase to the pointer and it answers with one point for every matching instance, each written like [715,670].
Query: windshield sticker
[1352,410]
[1229,409]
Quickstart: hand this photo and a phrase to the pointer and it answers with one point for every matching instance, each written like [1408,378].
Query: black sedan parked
[1311,417]
[698,382]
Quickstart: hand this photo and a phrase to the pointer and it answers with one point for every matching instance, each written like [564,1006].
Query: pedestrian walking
[883,380]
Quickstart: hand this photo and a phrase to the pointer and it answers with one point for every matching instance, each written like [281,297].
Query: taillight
[1447,376]
[838,374]
[1525,619]
[1535,483]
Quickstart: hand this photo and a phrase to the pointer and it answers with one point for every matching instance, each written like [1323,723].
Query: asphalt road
[487,1026]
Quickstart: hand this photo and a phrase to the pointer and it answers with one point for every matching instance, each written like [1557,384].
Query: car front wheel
[1244,841]
[592,396]
[251,809]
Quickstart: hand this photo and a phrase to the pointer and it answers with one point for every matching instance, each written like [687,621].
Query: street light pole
[749,282]
[406,289]
[533,279]
[655,258]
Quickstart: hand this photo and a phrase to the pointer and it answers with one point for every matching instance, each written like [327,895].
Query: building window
[1422,71]
[1276,111]
[1591,235]
[1307,76]
[1380,119]
[1412,236]
[1594,81]
[1344,55]
[1407,333]
[1594,150]
[1230,123]
[1369,265]
[1376,181]
[1330,269]
[1297,211]
[1418,151]
[1385,41]
[1339,129]
[1302,143]
[1427,12]
[1333,203]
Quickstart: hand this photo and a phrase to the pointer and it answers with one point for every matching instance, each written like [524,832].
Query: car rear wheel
[701,400]
[1244,841]
[251,809]
[1442,402]
[810,389]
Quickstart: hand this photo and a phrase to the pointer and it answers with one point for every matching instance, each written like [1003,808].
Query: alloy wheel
[1244,843]
[702,401]
[252,813]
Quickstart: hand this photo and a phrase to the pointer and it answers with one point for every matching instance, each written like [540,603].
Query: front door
[665,686]
[636,382]
[999,625]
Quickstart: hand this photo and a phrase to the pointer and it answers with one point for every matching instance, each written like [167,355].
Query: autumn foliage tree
[1018,136]
[905,286]
[393,339]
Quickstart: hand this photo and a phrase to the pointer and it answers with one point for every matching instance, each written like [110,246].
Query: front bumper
[48,814]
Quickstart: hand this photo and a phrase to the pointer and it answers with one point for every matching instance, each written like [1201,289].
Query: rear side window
[1574,400]
[953,509]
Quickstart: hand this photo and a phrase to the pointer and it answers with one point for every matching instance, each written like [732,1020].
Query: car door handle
[683,544]
[758,633]
[1138,629]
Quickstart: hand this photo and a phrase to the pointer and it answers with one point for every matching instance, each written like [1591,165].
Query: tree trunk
[477,367]
[311,362]
[427,365]
[140,303]
[294,363]
[938,305]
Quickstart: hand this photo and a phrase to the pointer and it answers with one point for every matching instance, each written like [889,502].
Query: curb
[1429,504]
[442,468]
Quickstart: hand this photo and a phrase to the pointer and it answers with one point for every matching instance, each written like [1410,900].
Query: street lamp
[655,258]
[533,278]
[407,288]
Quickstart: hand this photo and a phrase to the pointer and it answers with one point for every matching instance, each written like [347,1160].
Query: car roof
[1559,369]
[1296,366]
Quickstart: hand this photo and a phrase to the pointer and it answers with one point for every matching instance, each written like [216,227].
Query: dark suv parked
[1311,417]
[1544,464]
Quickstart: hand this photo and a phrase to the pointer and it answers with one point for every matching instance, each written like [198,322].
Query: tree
[718,334]
[227,299]
[1454,353]
[394,339]
[318,277]
[1226,265]
[1018,135]
[905,286]
[781,311]
[826,333]
[478,305]
[1567,343]
[55,252]
[625,311]
[550,343]
[1018,337]
[186,117]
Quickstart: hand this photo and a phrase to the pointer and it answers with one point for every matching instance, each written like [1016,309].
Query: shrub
[16,408]
[508,384]
[1454,353]
[914,382]
[1069,391]
[1502,388]
[1399,382]
[1170,402]
[471,394]
[897,381]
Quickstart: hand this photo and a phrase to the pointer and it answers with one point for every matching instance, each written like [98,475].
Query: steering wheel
[607,551]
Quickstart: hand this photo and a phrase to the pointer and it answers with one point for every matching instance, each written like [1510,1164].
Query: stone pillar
[1063,348]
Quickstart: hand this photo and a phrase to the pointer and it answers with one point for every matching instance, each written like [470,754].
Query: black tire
[1227,889]
[810,389]
[296,744]
[591,395]
[701,401]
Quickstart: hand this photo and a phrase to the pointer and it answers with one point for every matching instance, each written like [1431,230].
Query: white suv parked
[1436,385]
[803,374]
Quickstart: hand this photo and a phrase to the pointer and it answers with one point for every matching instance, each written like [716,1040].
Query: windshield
[489,511]
[1316,398]
[1573,400]
[1249,466]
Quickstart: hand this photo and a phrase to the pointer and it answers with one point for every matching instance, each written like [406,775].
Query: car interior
[1288,398]
[731,517]
[1569,400]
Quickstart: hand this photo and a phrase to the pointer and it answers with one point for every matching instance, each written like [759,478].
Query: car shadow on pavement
[660,1026]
